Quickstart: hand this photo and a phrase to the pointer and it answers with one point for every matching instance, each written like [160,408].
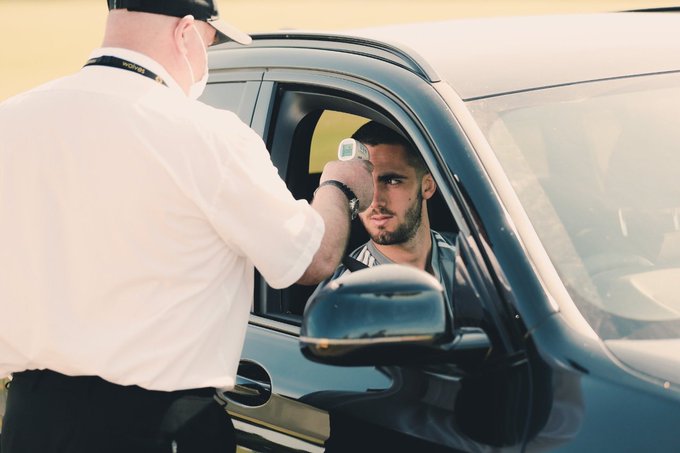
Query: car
[555,145]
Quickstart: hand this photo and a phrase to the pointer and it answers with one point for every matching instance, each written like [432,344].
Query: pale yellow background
[43,39]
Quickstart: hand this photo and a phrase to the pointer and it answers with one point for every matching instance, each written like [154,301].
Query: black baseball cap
[204,10]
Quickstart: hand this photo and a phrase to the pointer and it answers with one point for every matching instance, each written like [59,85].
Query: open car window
[305,135]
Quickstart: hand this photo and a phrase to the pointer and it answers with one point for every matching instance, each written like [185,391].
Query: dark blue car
[555,145]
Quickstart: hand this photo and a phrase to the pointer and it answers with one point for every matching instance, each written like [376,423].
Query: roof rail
[666,9]
[391,53]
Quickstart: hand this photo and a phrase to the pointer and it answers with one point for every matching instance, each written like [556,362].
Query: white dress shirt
[130,221]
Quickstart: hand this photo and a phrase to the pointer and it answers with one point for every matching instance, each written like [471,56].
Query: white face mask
[197,87]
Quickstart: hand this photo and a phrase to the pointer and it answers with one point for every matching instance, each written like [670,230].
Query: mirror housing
[385,315]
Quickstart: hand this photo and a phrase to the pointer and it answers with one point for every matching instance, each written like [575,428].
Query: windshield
[597,168]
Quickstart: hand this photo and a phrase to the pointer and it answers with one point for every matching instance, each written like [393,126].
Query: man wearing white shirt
[132,218]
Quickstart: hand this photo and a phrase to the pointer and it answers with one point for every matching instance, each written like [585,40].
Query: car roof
[490,56]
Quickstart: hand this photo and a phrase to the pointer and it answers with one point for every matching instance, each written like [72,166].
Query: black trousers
[48,412]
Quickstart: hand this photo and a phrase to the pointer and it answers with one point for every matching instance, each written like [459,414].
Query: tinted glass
[229,96]
[596,167]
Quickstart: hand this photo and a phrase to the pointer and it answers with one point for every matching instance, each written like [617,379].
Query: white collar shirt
[131,221]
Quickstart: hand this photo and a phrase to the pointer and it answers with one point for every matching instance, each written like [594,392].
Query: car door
[285,402]
[263,404]
[268,404]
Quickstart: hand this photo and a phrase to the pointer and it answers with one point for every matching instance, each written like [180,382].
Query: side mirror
[384,315]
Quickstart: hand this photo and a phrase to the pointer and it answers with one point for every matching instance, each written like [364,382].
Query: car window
[302,142]
[331,128]
[236,97]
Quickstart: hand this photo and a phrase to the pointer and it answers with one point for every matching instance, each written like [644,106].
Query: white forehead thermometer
[351,149]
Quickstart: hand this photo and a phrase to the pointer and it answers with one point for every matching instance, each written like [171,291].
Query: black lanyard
[115,62]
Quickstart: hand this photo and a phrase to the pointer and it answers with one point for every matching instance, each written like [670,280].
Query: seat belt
[352,264]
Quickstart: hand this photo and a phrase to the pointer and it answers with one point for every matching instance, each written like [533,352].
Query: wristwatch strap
[351,196]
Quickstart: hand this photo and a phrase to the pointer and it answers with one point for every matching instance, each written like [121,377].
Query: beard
[404,231]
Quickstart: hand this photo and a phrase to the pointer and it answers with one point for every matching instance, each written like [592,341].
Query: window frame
[287,112]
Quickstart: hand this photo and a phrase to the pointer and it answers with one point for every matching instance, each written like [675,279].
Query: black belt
[51,380]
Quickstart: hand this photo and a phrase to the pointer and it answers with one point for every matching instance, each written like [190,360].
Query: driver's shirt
[442,261]
[131,220]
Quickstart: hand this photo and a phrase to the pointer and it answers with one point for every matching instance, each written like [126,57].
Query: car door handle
[253,385]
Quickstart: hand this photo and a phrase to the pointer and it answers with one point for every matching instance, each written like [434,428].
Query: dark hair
[374,133]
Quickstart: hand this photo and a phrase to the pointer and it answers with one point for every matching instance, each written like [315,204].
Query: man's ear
[427,186]
[182,28]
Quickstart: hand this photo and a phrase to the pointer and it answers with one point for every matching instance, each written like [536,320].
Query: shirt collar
[379,257]
[141,60]
[434,259]
[382,259]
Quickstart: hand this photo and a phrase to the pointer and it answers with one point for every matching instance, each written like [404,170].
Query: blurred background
[44,39]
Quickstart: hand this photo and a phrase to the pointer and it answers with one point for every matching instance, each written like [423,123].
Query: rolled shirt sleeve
[256,215]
